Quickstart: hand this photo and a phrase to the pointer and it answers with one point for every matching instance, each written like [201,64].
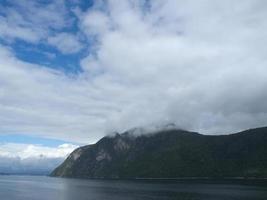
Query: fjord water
[46,188]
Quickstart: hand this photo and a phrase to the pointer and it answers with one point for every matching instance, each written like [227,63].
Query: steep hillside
[170,154]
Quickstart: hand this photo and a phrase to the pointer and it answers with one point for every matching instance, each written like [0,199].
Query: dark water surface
[46,188]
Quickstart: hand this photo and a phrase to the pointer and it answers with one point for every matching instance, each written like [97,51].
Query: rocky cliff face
[170,154]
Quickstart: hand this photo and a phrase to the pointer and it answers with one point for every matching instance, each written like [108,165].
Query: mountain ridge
[170,154]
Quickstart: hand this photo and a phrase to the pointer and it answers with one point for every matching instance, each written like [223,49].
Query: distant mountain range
[170,153]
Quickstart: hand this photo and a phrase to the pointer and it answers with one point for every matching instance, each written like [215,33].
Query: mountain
[170,154]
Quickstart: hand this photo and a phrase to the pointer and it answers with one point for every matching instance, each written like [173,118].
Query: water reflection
[46,188]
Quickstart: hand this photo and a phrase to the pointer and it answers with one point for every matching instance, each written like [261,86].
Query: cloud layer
[200,65]
[32,159]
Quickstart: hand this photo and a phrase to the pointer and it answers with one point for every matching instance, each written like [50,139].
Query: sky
[72,71]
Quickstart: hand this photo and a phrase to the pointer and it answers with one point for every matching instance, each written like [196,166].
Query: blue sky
[41,52]
[73,71]
[46,55]
[26,139]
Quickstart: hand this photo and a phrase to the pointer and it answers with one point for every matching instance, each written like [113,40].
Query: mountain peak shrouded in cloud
[76,71]
[172,153]
[149,129]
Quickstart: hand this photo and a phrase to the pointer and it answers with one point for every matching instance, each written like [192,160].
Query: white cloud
[28,158]
[25,151]
[32,20]
[183,62]
[66,43]
[9,30]
[96,23]
[198,64]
